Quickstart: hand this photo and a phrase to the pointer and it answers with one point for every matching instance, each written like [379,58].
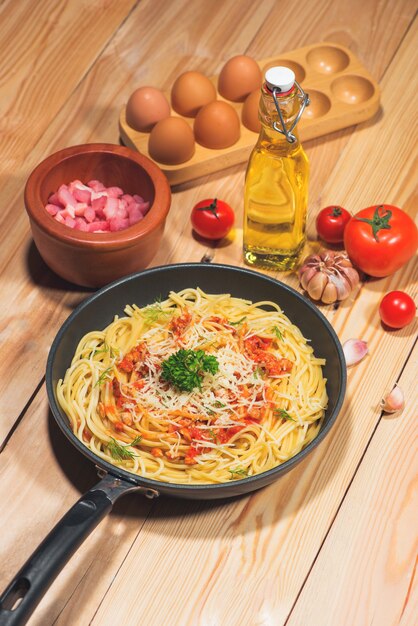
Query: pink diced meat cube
[80,208]
[53,199]
[69,221]
[90,214]
[114,192]
[65,197]
[96,185]
[118,223]
[82,194]
[111,208]
[99,204]
[135,214]
[80,224]
[60,218]
[52,209]
[95,226]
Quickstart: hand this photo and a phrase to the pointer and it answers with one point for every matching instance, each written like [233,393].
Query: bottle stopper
[280,78]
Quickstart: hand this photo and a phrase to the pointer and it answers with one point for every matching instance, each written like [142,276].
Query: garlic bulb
[328,276]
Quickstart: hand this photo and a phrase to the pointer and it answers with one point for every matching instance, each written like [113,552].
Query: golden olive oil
[276,189]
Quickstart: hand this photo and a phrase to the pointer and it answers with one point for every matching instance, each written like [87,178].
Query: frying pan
[25,591]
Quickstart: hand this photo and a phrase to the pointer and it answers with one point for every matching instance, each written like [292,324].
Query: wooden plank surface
[243,561]
[370,554]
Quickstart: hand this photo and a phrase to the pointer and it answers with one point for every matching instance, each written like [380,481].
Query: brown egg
[171,141]
[249,113]
[239,77]
[217,125]
[190,92]
[146,107]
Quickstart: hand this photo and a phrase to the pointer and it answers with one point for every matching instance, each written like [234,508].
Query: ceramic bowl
[95,259]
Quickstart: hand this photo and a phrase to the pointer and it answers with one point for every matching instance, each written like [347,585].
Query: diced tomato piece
[179,324]
[136,355]
[87,435]
[119,426]
[157,452]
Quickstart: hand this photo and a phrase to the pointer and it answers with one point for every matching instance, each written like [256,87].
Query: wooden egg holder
[341,91]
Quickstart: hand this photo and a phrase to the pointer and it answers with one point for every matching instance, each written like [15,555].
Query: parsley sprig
[185,368]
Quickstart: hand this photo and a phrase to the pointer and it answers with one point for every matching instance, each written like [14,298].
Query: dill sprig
[277,332]
[121,452]
[283,414]
[153,312]
[241,472]
[238,321]
[185,368]
[104,376]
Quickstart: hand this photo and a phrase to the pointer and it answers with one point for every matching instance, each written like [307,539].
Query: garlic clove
[393,401]
[306,276]
[354,351]
[352,275]
[317,285]
[330,293]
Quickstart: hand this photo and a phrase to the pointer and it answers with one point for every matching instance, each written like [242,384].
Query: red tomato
[212,219]
[331,223]
[397,309]
[380,239]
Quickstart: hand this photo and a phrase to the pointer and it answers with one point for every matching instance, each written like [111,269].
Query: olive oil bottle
[276,182]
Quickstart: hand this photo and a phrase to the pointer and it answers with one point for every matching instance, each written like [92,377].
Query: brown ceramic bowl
[95,259]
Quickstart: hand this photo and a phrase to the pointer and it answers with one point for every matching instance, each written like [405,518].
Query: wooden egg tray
[341,91]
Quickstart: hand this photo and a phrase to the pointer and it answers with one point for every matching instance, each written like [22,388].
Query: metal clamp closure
[287,132]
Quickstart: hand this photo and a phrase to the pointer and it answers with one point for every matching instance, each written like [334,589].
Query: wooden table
[333,542]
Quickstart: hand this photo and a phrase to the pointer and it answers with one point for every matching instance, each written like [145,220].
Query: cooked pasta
[199,388]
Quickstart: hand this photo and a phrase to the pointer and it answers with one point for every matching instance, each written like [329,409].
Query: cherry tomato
[331,223]
[380,239]
[212,218]
[397,309]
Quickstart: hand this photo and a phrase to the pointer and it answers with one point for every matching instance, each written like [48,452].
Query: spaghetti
[199,388]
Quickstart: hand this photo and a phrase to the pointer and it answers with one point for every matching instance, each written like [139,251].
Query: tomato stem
[336,211]
[379,222]
[212,208]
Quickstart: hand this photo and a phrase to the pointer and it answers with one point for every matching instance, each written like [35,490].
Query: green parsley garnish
[120,452]
[185,368]
[283,414]
[277,332]
[240,472]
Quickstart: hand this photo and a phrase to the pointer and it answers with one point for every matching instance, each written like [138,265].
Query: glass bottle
[276,181]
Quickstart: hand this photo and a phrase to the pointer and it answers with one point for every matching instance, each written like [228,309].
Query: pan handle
[25,591]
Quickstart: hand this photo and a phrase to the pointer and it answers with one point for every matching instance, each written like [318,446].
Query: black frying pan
[97,312]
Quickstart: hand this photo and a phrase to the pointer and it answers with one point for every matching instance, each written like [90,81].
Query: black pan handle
[25,591]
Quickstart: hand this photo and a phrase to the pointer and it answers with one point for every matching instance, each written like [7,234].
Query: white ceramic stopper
[281,78]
